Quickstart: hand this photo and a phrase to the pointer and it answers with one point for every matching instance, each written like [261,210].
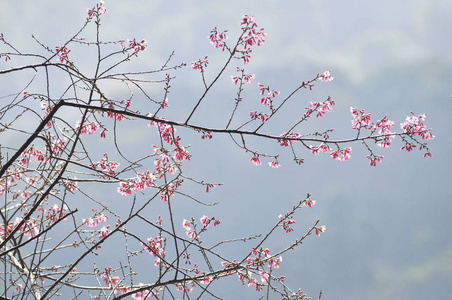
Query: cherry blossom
[286,222]
[290,135]
[62,55]
[217,39]
[206,280]
[309,202]
[200,64]
[87,128]
[319,229]
[186,224]
[263,117]
[154,247]
[255,160]
[274,164]
[341,154]
[320,107]
[205,220]
[93,222]
[326,76]
[264,276]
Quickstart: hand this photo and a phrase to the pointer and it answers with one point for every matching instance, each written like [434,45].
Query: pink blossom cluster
[127,102]
[207,280]
[169,190]
[274,164]
[191,233]
[252,36]
[326,76]
[135,45]
[267,100]
[103,232]
[163,165]
[164,103]
[209,186]
[320,107]
[244,78]
[107,167]
[323,147]
[70,185]
[286,222]
[217,39]
[112,115]
[100,9]
[264,254]
[291,135]
[47,108]
[136,184]
[341,154]
[96,220]
[87,128]
[255,160]
[206,135]
[146,294]
[166,131]
[184,288]
[180,153]
[62,55]
[200,64]
[205,220]
[308,202]
[246,276]
[32,152]
[155,247]
[296,295]
[360,119]
[374,159]
[263,117]
[59,145]
[319,229]
[108,279]
[415,127]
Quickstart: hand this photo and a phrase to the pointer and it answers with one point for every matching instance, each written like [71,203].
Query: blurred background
[388,227]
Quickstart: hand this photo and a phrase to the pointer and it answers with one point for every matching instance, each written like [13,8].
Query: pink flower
[286,143]
[206,280]
[200,64]
[255,160]
[264,276]
[319,229]
[103,232]
[326,76]
[217,39]
[374,159]
[205,220]
[274,164]
[309,202]
[248,78]
[192,234]
[186,224]
[274,262]
[287,221]
[341,155]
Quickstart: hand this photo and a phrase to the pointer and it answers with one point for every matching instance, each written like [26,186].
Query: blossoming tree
[48,161]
